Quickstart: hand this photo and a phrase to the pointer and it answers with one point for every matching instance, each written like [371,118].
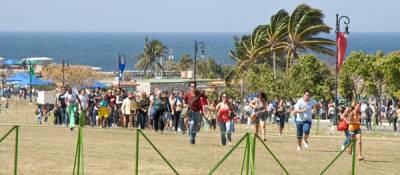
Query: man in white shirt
[303,111]
[83,103]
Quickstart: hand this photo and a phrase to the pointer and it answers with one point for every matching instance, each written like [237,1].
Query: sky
[183,15]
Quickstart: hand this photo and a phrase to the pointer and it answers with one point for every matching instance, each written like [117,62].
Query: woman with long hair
[259,116]
[225,121]
[211,114]
[355,128]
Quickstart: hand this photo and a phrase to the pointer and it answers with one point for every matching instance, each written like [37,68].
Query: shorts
[303,127]
[355,132]
[260,118]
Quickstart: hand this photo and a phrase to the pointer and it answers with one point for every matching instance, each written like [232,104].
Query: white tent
[42,60]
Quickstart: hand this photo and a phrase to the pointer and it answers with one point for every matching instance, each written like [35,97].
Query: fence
[247,165]
[16,128]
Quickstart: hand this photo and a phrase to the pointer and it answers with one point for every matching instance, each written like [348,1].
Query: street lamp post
[197,44]
[346,22]
[63,78]
[63,72]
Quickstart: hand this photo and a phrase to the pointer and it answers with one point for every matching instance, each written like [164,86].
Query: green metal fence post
[330,164]
[317,128]
[273,155]
[76,155]
[16,150]
[227,154]
[253,152]
[248,154]
[8,133]
[159,153]
[81,155]
[244,155]
[137,152]
[353,163]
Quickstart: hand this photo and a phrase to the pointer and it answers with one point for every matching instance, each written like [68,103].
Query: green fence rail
[248,162]
[138,133]
[16,128]
[353,162]
[249,154]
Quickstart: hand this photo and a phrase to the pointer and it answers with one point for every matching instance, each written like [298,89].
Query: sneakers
[192,141]
[298,148]
[305,143]
[343,147]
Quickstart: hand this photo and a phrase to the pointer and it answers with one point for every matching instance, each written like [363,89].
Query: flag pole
[337,60]
[30,82]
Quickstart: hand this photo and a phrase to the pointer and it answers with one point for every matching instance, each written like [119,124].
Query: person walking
[260,112]
[72,106]
[211,114]
[83,106]
[142,112]
[178,107]
[126,110]
[225,119]
[158,106]
[192,99]
[396,116]
[280,116]
[303,110]
[355,129]
[344,116]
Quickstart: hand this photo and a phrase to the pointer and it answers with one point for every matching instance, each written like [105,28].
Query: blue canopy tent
[22,78]
[95,84]
[10,62]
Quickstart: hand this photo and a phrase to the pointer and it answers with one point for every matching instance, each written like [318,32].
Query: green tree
[305,27]
[276,34]
[152,51]
[390,67]
[184,63]
[356,70]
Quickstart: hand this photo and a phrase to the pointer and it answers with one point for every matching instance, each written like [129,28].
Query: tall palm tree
[304,28]
[276,34]
[249,50]
[152,51]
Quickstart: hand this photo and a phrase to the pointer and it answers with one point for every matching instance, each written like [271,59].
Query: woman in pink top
[225,122]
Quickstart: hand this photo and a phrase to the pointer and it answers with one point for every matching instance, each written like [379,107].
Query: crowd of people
[188,111]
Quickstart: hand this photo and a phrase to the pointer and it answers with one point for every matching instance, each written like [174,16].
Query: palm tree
[184,62]
[304,28]
[276,34]
[249,50]
[152,51]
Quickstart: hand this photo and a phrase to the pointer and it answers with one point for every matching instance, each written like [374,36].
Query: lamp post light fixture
[197,45]
[63,72]
[346,30]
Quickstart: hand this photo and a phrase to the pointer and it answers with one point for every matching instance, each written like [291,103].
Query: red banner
[341,39]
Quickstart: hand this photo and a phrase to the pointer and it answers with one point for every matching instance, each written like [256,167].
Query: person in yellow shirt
[355,128]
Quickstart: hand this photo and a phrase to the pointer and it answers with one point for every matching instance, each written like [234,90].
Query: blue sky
[183,15]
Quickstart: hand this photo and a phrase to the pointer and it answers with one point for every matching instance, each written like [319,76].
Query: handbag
[342,125]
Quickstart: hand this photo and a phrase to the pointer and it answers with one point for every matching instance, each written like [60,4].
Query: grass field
[49,149]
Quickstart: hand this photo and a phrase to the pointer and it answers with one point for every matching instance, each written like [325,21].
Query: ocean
[101,49]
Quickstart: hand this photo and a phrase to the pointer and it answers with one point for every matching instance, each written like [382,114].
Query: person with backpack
[158,106]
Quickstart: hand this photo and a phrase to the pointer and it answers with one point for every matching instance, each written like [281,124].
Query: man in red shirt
[192,99]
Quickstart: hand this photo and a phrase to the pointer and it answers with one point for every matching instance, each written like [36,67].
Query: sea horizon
[100,49]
